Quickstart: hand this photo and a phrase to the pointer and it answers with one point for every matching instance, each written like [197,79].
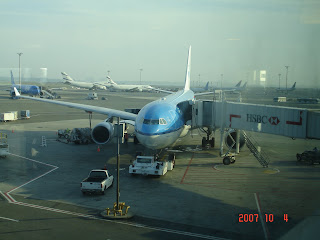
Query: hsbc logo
[274,120]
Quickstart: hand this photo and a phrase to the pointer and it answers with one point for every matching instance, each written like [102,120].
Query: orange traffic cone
[98,150]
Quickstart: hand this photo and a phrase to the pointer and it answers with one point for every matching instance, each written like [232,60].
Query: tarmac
[200,198]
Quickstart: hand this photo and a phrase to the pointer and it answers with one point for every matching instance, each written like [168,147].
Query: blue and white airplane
[201,89]
[158,124]
[287,89]
[31,90]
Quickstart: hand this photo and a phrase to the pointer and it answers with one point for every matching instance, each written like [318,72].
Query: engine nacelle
[230,140]
[102,132]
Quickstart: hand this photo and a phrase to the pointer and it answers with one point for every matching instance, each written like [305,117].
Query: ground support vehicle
[97,182]
[76,135]
[64,133]
[229,158]
[310,157]
[4,146]
[149,165]
[8,116]
[25,114]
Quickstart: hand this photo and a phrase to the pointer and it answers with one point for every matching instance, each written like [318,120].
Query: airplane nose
[144,140]
[151,142]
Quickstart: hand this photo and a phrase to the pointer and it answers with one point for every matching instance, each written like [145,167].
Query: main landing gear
[206,141]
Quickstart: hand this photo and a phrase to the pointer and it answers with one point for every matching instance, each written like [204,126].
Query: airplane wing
[160,90]
[133,89]
[88,108]
[203,93]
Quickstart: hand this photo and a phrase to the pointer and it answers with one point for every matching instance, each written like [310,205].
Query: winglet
[16,92]
[187,79]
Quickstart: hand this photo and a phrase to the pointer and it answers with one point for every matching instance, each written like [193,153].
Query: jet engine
[231,138]
[102,133]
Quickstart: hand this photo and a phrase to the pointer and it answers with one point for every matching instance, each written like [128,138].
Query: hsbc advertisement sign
[268,119]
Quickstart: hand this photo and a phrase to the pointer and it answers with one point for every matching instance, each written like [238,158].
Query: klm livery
[158,124]
[31,90]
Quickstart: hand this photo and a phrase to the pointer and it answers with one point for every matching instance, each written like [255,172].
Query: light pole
[287,67]
[140,74]
[19,71]
[279,79]
[118,164]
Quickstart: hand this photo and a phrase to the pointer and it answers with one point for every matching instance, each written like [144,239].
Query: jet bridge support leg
[238,141]
[90,118]
[222,132]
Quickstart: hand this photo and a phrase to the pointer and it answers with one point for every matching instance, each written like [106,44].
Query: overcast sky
[229,37]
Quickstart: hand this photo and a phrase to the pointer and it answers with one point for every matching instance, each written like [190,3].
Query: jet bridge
[231,117]
[284,121]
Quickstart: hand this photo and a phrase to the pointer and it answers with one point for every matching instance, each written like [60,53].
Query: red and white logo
[274,120]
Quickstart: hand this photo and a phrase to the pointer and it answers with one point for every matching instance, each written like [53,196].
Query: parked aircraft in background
[127,87]
[87,85]
[204,89]
[237,89]
[243,87]
[287,89]
[31,90]
[232,89]
[157,125]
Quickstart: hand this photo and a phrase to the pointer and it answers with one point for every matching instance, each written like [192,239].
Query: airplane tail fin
[206,88]
[111,81]
[16,91]
[12,79]
[239,83]
[244,85]
[294,86]
[187,79]
[66,77]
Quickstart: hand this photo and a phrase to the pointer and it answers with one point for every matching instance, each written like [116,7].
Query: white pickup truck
[97,181]
[147,165]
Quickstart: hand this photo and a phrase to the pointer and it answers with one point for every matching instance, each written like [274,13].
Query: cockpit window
[151,121]
[162,121]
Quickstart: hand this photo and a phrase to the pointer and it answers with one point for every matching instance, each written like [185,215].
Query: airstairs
[48,94]
[260,155]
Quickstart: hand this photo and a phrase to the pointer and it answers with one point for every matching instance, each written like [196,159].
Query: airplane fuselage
[85,85]
[27,89]
[160,123]
[126,87]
